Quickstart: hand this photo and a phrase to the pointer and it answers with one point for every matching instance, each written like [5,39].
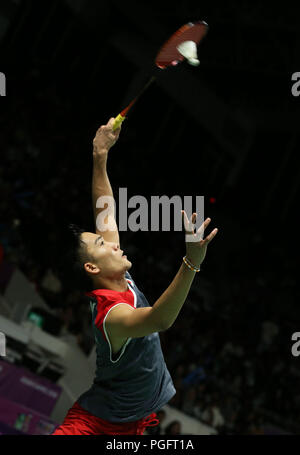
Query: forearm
[100,182]
[169,304]
[105,138]
[101,187]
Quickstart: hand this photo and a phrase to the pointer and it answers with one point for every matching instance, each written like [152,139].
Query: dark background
[227,130]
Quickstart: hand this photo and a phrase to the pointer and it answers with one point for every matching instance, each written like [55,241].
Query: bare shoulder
[118,310]
[116,315]
[113,323]
[126,321]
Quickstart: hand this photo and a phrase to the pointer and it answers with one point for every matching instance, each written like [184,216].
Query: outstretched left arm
[105,223]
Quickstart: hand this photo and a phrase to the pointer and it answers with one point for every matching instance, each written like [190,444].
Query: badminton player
[132,381]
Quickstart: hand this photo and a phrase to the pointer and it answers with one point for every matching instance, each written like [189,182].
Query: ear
[91,268]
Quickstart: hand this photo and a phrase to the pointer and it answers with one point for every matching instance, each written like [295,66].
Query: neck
[118,284]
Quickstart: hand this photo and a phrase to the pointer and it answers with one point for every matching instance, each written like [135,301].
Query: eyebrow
[98,238]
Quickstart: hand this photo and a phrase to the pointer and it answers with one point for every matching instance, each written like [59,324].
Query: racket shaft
[121,117]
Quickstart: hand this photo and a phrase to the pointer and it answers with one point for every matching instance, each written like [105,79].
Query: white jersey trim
[106,334]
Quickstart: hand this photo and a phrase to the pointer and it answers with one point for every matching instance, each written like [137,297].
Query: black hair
[77,257]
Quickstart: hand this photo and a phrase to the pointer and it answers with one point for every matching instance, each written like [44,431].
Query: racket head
[168,54]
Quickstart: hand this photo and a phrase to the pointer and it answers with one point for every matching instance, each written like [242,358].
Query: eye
[102,243]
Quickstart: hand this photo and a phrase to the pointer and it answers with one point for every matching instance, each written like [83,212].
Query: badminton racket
[180,46]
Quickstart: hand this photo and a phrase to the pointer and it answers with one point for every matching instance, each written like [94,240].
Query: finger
[211,236]
[111,122]
[203,226]
[186,222]
[110,128]
[116,133]
[185,219]
[99,129]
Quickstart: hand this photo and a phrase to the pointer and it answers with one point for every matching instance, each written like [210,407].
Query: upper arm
[127,322]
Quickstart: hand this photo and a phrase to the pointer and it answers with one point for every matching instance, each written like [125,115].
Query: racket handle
[118,121]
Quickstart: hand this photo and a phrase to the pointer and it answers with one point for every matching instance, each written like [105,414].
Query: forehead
[89,237]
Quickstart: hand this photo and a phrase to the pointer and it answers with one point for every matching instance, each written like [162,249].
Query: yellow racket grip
[118,121]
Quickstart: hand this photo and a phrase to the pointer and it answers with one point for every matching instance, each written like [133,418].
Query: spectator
[212,415]
[173,428]
[189,401]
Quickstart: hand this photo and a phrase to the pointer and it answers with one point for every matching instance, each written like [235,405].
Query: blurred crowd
[229,351]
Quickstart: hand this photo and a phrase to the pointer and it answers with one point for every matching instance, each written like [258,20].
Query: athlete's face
[106,258]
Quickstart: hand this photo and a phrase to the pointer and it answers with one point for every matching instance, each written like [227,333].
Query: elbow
[160,323]
[165,326]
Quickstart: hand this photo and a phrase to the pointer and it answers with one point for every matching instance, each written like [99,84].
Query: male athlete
[132,380]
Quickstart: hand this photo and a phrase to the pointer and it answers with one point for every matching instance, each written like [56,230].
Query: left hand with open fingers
[196,245]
